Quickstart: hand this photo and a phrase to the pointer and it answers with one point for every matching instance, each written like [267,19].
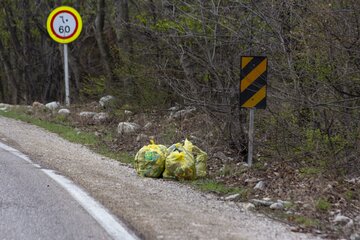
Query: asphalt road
[33,206]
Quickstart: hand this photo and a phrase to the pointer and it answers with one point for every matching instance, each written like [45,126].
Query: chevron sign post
[253,91]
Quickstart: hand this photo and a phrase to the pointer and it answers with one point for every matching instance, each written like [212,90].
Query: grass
[322,205]
[306,221]
[71,134]
[208,185]
[310,171]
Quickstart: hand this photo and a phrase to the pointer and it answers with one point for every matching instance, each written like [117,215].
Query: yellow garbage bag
[179,164]
[200,156]
[150,160]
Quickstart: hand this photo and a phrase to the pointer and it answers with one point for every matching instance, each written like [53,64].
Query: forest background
[153,54]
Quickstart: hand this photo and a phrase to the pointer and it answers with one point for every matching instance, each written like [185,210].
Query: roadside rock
[128,113]
[232,197]
[87,115]
[4,107]
[221,156]
[38,105]
[174,109]
[127,127]
[258,202]
[107,101]
[342,220]
[249,206]
[148,126]
[277,206]
[64,112]
[355,236]
[260,186]
[185,113]
[142,137]
[100,118]
[53,106]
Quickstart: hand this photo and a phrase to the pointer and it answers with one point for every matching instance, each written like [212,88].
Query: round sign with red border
[64,24]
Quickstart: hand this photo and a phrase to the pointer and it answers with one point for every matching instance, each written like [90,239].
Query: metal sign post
[251,137]
[66,75]
[64,26]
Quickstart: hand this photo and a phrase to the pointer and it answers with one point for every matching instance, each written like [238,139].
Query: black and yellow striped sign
[253,82]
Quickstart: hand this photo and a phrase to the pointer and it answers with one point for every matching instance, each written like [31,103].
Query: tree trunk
[103,48]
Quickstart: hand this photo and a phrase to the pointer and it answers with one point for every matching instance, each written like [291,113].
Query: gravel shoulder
[153,208]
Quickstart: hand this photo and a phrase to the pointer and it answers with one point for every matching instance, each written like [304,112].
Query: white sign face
[64,25]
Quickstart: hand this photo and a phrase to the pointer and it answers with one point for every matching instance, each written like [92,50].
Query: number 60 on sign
[64,24]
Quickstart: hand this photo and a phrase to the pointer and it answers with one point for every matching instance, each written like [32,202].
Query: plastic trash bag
[150,160]
[179,164]
[200,158]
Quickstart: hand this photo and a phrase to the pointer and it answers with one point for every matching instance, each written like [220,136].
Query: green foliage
[170,134]
[93,87]
[322,205]
[306,221]
[69,133]
[137,85]
[350,195]
[310,171]
[207,185]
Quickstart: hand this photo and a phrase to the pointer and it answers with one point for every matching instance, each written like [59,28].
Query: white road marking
[112,226]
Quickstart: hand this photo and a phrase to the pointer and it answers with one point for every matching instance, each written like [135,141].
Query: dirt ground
[314,200]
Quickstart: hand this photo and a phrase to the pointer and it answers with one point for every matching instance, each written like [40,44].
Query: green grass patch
[349,195]
[208,185]
[62,130]
[306,221]
[71,134]
[322,205]
[310,171]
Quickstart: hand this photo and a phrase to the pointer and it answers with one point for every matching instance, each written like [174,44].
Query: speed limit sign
[64,24]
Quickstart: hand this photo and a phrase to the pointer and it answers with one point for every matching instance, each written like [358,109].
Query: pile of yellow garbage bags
[181,161]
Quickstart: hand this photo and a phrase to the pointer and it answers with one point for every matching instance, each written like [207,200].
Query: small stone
[295,229]
[128,113]
[260,186]
[250,180]
[174,109]
[182,114]
[307,206]
[277,206]
[100,117]
[64,112]
[350,225]
[107,101]
[221,156]
[340,219]
[355,236]
[38,105]
[259,202]
[232,197]
[249,206]
[141,137]
[285,203]
[128,127]
[52,106]
[87,115]
[148,125]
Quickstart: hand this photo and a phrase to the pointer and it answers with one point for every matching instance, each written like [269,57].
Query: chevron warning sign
[253,82]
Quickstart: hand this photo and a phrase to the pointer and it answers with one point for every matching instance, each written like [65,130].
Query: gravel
[153,208]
